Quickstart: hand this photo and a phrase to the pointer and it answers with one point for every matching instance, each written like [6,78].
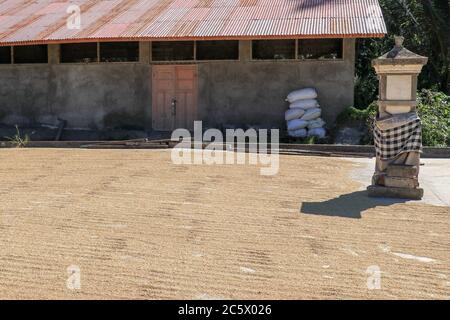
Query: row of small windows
[261,50]
[24,54]
[177,51]
[190,50]
[100,52]
[302,49]
[73,53]
[161,51]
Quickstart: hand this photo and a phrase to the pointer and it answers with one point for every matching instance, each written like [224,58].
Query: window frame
[217,60]
[195,56]
[296,59]
[152,61]
[326,59]
[13,58]
[278,60]
[77,63]
[99,56]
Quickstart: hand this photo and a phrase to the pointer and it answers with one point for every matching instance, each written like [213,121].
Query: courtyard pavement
[130,224]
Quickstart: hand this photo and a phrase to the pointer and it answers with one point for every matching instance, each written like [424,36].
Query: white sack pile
[303,117]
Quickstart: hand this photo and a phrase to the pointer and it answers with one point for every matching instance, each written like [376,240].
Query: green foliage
[358,115]
[366,81]
[362,118]
[425,26]
[17,140]
[434,110]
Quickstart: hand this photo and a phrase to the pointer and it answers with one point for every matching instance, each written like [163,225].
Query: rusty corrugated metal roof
[45,21]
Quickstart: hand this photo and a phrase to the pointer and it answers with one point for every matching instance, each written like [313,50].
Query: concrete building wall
[253,92]
[89,96]
[118,95]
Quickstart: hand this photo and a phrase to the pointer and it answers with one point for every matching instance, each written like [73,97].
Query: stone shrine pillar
[397,129]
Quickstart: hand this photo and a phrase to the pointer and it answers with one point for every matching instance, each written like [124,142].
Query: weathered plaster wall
[252,93]
[119,95]
[88,96]
[94,96]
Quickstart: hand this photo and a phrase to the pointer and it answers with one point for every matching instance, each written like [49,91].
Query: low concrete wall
[99,96]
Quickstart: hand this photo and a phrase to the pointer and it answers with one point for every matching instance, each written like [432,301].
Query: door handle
[174,107]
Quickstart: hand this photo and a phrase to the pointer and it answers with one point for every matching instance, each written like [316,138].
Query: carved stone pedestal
[400,181]
[398,193]
[398,131]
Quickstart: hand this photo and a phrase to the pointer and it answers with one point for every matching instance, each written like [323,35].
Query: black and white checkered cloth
[392,142]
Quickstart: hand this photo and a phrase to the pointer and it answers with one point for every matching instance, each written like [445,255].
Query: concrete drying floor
[138,226]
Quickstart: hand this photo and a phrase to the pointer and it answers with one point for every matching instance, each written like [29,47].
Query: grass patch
[18,141]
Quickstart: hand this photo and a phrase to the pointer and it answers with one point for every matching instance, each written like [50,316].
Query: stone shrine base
[400,181]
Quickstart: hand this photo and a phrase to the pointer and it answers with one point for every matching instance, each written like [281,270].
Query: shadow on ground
[348,205]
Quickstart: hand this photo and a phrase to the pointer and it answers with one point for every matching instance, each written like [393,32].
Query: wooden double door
[174,97]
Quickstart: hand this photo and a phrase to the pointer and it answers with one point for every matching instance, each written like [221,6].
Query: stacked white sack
[303,117]
[302,94]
